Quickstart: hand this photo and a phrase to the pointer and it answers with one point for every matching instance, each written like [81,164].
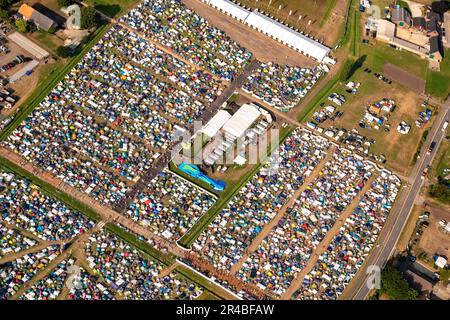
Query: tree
[5,3]
[395,285]
[88,18]
[445,276]
[65,3]
[22,25]
[4,15]
[441,190]
[63,51]
[440,7]
[346,70]
[52,30]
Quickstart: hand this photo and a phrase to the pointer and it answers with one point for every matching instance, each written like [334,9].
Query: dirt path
[169,51]
[36,248]
[168,270]
[322,247]
[76,243]
[26,233]
[274,222]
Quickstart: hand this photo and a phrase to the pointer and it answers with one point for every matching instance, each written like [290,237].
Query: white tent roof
[287,36]
[242,120]
[240,160]
[28,45]
[216,122]
[273,28]
[230,8]
[441,262]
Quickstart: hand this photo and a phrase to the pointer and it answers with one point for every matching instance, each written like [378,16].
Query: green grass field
[50,41]
[438,83]
[328,10]
[442,160]
[380,54]
[112,8]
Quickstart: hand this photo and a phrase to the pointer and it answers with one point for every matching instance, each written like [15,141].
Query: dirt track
[404,77]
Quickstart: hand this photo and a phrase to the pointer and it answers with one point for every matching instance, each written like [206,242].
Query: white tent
[230,8]
[272,28]
[441,262]
[287,36]
[216,123]
[240,160]
[242,120]
[28,45]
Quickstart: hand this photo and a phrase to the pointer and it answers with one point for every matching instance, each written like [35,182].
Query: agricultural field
[438,82]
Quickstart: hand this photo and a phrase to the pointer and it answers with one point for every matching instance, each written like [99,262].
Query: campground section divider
[189,237]
[49,83]
[49,190]
[166,259]
[306,112]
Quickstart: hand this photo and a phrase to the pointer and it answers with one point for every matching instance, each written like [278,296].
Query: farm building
[40,20]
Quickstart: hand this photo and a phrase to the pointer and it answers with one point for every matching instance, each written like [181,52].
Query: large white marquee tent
[272,28]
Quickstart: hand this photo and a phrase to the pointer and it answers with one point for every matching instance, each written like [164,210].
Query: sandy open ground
[264,48]
[434,240]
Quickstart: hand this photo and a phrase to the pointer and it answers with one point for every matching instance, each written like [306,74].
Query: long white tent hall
[242,120]
[230,8]
[273,29]
[216,123]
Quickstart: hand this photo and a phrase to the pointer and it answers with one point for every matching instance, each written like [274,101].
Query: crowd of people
[25,206]
[132,275]
[12,241]
[14,274]
[281,86]
[170,205]
[257,203]
[289,246]
[347,251]
[189,35]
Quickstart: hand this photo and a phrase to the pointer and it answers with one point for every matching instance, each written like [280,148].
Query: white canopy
[230,8]
[240,160]
[287,36]
[216,123]
[272,28]
[242,120]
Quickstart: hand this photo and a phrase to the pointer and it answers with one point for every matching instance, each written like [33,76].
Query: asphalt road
[399,216]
